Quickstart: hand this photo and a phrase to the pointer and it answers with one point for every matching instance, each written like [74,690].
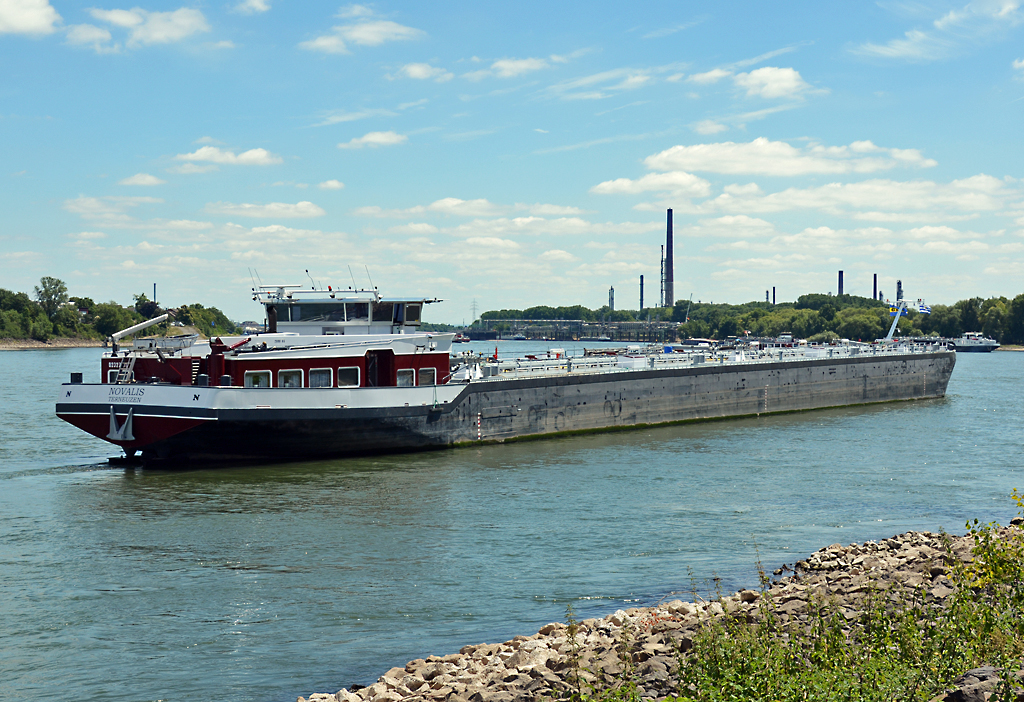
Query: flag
[924,309]
[893,310]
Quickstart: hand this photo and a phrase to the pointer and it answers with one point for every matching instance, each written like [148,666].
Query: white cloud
[916,45]
[417,228]
[31,17]
[146,28]
[709,77]
[980,193]
[376,32]
[550,210]
[97,38]
[679,182]
[364,33]
[424,71]
[771,82]
[709,126]
[190,168]
[272,209]
[252,7]
[453,206]
[331,185]
[508,68]
[214,154]
[327,44]
[1018,64]
[977,23]
[599,86]
[374,139]
[778,158]
[141,179]
[341,116]
[557,256]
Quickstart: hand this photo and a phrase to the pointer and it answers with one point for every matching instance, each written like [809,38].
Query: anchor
[124,432]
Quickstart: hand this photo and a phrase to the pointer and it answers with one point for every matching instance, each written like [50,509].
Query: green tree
[1015,321]
[52,293]
[146,307]
[111,317]
[969,312]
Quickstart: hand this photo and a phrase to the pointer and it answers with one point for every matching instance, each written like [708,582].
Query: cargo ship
[346,373]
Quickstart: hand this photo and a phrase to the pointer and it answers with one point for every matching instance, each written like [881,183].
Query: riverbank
[56,343]
[831,606]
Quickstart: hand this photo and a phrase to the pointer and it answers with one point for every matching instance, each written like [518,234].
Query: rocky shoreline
[545,664]
[56,343]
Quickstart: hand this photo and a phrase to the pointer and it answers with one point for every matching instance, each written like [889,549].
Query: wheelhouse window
[318,312]
[289,379]
[348,377]
[320,378]
[412,313]
[358,311]
[406,378]
[257,379]
[428,376]
[382,311]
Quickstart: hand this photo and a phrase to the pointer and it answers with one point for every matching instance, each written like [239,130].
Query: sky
[511,154]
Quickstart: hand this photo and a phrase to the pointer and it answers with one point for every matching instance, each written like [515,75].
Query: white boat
[975,342]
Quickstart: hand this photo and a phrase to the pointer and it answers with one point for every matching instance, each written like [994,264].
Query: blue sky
[511,153]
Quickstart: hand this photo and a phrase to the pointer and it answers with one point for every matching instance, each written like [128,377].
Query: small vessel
[975,342]
[461,338]
[519,337]
[338,374]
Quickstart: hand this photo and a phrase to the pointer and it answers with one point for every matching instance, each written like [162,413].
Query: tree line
[814,316]
[51,312]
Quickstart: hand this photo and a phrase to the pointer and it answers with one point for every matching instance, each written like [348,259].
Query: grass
[902,645]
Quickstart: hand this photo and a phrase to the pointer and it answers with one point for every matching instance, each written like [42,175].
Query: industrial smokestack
[611,298]
[874,290]
[773,294]
[840,282]
[641,293]
[899,290]
[670,293]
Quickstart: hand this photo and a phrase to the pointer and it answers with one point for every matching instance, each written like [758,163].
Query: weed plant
[901,644]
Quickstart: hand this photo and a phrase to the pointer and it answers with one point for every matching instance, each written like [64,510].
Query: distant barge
[344,374]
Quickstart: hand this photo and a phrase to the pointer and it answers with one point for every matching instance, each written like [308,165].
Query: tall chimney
[899,290]
[641,293]
[773,294]
[670,293]
[840,282]
[611,298]
[874,290]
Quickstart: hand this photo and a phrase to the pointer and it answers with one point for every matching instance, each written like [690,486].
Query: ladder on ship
[124,371]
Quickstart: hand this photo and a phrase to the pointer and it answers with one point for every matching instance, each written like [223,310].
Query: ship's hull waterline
[280,424]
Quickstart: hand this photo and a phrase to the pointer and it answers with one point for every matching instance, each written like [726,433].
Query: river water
[266,582]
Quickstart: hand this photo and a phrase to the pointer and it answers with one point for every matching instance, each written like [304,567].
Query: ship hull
[281,424]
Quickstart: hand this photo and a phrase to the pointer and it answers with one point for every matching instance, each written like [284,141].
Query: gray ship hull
[517,408]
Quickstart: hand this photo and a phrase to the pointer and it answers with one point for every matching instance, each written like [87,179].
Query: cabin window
[348,377]
[320,378]
[382,311]
[257,379]
[428,376]
[289,379]
[412,313]
[406,378]
[358,311]
[112,376]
